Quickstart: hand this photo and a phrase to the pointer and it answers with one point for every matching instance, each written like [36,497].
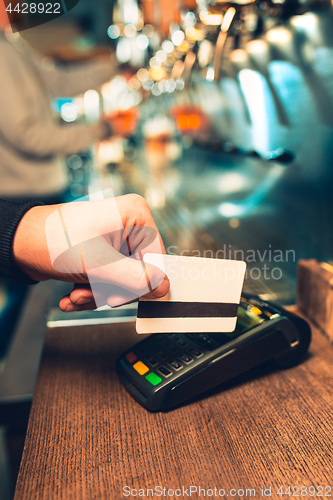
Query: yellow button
[141,368]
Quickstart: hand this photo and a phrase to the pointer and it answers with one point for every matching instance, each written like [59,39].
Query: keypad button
[175,365]
[160,338]
[186,358]
[173,349]
[153,379]
[195,352]
[141,368]
[162,354]
[164,371]
[181,342]
[152,361]
[131,357]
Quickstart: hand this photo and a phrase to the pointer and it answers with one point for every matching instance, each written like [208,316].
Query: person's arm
[24,127]
[75,79]
[99,245]
[10,217]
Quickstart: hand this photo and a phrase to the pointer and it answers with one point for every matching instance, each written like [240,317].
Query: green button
[153,378]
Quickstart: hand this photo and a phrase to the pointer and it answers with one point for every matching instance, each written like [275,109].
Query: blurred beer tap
[257,57]
[313,29]
[226,12]
[284,45]
[222,22]
[226,25]
[244,20]
[235,63]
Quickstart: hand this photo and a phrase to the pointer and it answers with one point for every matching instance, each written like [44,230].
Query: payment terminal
[166,369]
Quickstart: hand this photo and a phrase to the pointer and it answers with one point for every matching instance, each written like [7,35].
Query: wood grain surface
[87,438]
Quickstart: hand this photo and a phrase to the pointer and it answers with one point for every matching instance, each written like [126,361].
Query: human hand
[99,245]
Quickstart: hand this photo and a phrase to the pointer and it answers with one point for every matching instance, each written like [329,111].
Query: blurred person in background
[33,145]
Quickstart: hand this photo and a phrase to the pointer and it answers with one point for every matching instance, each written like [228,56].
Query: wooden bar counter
[88,439]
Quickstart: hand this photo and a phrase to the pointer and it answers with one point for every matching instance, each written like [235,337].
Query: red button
[131,357]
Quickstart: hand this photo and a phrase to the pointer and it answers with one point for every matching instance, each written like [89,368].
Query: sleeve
[10,217]
[76,79]
[25,128]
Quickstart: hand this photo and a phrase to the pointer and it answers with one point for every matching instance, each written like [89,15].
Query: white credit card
[204,296]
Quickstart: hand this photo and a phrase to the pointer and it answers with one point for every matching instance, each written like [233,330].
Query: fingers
[140,238]
[104,264]
[84,298]
[121,281]
[109,255]
[160,291]
[67,306]
[131,280]
[122,297]
[90,235]
[81,294]
[136,213]
[80,299]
